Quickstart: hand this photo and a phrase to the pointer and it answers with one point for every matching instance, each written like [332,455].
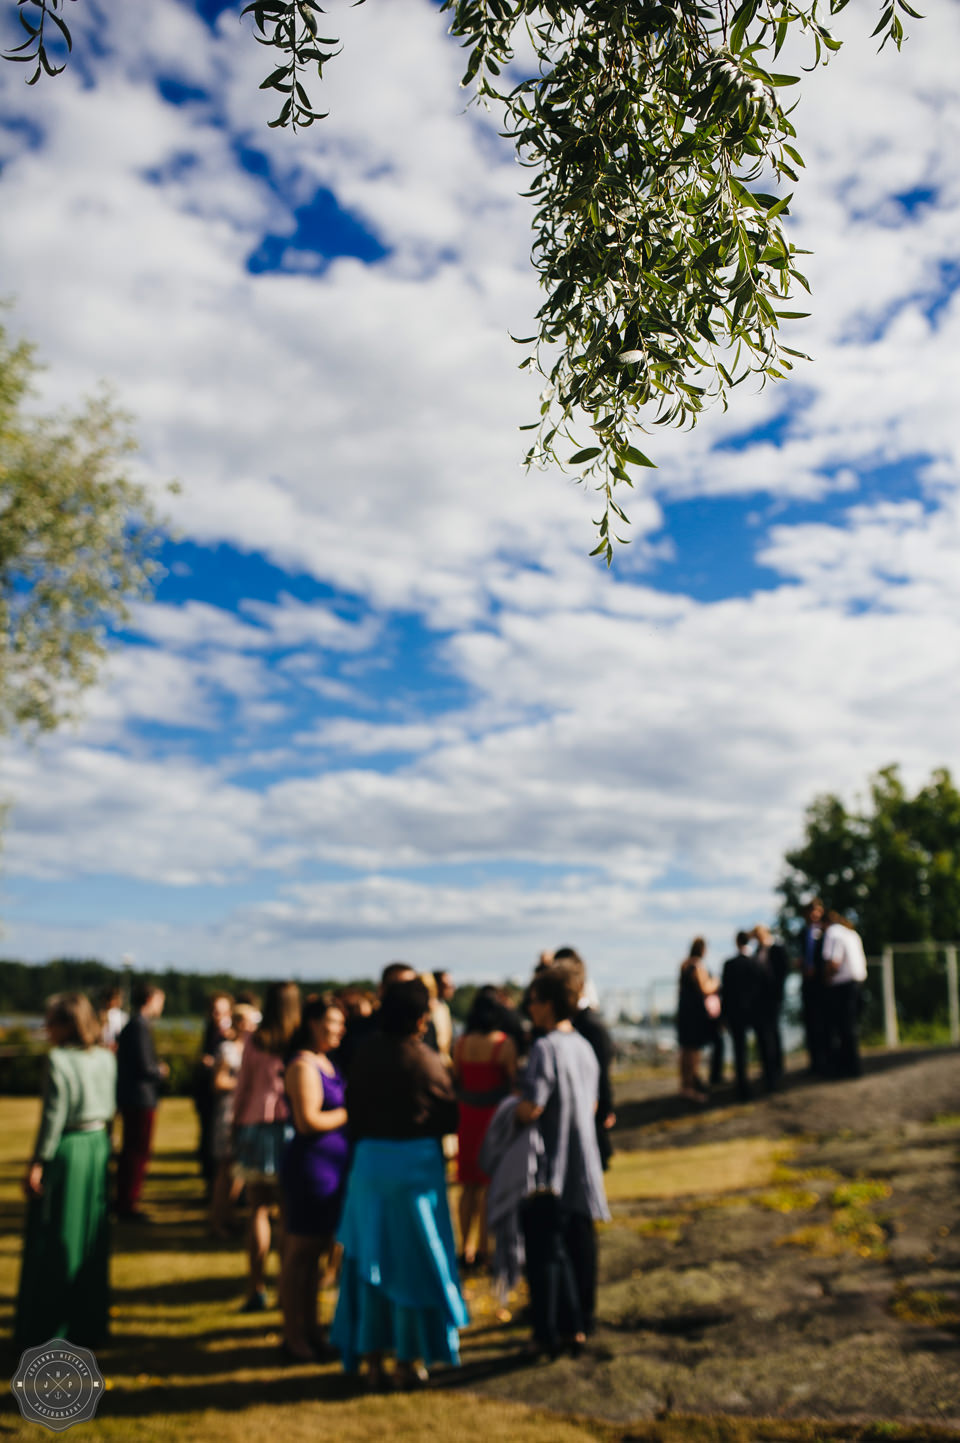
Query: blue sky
[384,702]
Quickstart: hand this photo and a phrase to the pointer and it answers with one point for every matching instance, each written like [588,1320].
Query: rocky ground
[807,1268]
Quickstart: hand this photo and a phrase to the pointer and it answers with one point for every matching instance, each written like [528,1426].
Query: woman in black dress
[697,1012]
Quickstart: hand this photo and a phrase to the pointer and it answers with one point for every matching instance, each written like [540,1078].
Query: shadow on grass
[229,1395]
[173,1227]
[157,1356]
[641,1112]
[182,1292]
[289,1386]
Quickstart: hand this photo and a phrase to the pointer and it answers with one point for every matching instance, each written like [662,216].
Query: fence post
[889,1000]
[953,994]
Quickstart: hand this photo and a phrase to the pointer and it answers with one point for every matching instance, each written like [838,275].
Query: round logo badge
[58,1384]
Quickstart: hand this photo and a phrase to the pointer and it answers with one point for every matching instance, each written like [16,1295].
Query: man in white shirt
[845,968]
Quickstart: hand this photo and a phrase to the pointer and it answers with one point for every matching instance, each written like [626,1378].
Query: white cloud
[358,425]
[84,811]
[280,626]
[368,739]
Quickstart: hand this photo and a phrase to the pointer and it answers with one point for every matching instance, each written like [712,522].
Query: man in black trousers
[813,986]
[139,1075]
[746,989]
[773,957]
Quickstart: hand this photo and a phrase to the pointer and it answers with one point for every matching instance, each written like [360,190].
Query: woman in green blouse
[63,1279]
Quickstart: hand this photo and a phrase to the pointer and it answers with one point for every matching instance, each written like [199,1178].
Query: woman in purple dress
[313,1172]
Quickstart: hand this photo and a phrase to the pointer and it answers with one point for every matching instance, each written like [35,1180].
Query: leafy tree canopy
[893,864]
[647,127]
[76,542]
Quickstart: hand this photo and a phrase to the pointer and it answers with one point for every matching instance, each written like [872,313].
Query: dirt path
[830,1291]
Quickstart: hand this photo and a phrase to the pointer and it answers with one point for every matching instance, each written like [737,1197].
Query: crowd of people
[335,1120]
[330,1125]
[747,1000]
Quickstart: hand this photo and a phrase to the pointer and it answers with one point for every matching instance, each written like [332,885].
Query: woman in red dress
[484,1066]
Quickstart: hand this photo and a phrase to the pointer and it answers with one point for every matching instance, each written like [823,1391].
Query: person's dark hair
[486,1012]
[72,1011]
[109,996]
[814,902]
[743,938]
[141,992]
[697,947]
[403,1005]
[315,1009]
[559,987]
[835,918]
[281,1018]
[392,973]
[570,958]
[249,999]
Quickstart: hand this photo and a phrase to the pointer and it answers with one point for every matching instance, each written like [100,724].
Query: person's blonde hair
[430,982]
[73,1011]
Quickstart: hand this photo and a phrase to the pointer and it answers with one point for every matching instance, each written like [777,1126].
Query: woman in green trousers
[63,1280]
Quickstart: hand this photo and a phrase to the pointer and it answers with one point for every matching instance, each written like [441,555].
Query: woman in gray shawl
[558,1096]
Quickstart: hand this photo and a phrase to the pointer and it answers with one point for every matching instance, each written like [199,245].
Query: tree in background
[646,128]
[77,537]
[893,866]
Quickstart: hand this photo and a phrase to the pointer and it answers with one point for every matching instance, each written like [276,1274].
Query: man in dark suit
[746,989]
[773,957]
[592,1027]
[813,987]
[139,1075]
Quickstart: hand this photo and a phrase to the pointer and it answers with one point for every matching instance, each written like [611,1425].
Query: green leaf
[589,453]
[636,458]
[281,73]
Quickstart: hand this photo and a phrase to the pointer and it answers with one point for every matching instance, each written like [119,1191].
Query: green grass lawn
[183,1363]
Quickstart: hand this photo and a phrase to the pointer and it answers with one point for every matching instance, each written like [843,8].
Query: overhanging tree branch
[647,127]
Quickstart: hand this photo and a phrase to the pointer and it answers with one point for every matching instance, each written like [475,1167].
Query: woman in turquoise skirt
[399,1292]
[63,1279]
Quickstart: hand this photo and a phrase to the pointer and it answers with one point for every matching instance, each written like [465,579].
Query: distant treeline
[25,986]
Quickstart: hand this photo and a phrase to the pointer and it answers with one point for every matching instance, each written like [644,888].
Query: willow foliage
[76,543]
[647,127]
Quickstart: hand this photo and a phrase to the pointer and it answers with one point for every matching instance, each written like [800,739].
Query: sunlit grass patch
[669,1227]
[933,1309]
[858,1194]
[864,1234]
[795,1175]
[788,1200]
[820,1239]
[852,1227]
[710,1167]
